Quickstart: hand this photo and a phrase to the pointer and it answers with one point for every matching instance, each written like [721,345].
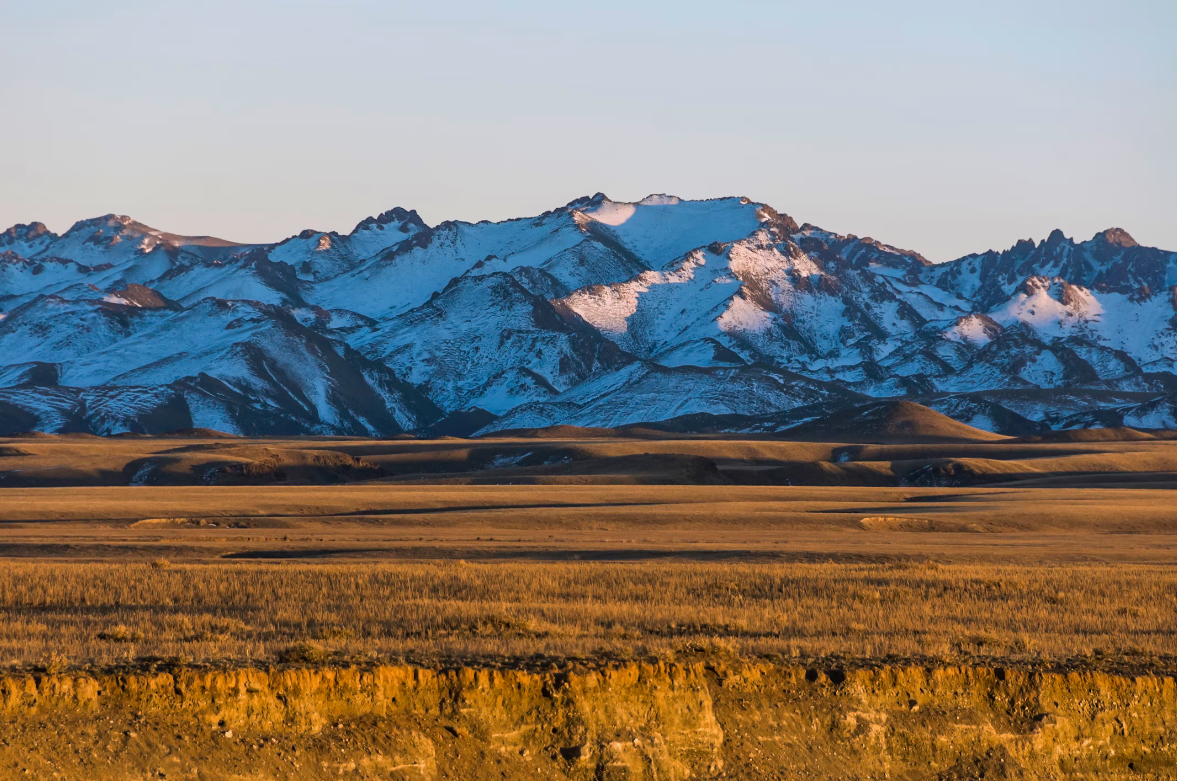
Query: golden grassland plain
[383,609]
[107,575]
[60,613]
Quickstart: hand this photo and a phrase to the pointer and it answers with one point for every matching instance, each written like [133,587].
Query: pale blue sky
[943,127]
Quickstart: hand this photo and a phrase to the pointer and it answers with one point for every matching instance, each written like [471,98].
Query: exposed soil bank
[745,720]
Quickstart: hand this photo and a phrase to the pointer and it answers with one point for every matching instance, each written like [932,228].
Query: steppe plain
[918,600]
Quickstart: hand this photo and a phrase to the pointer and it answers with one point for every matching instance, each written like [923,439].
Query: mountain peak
[1055,238]
[395,215]
[1117,237]
[1023,247]
[24,232]
[587,200]
[105,221]
[29,229]
[660,199]
[110,225]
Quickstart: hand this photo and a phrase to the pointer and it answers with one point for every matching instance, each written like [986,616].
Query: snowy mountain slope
[408,274]
[657,308]
[1160,412]
[986,414]
[268,360]
[251,276]
[587,263]
[263,353]
[598,312]
[95,410]
[53,330]
[317,256]
[1137,324]
[661,228]
[117,239]
[102,253]
[200,402]
[589,241]
[1111,260]
[645,391]
[33,373]
[999,412]
[26,240]
[767,299]
[488,342]
[22,279]
[1006,411]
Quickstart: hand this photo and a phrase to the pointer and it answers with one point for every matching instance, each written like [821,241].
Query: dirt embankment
[629,721]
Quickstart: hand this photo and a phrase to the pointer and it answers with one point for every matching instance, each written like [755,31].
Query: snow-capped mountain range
[719,313]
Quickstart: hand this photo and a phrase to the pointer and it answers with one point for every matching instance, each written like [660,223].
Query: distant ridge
[724,315]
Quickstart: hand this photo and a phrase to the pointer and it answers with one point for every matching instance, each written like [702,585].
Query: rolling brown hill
[888,422]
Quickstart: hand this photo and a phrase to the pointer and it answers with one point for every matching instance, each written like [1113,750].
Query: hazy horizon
[943,130]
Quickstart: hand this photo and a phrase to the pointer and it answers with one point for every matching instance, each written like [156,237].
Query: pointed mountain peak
[394,216]
[1117,237]
[1023,247]
[587,200]
[1055,238]
[114,228]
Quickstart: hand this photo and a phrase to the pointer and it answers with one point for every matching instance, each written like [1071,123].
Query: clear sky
[943,127]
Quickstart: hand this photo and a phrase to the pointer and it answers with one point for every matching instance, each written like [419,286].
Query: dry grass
[100,613]
[104,575]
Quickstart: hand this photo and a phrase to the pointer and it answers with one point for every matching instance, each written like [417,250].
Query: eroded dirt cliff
[716,719]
